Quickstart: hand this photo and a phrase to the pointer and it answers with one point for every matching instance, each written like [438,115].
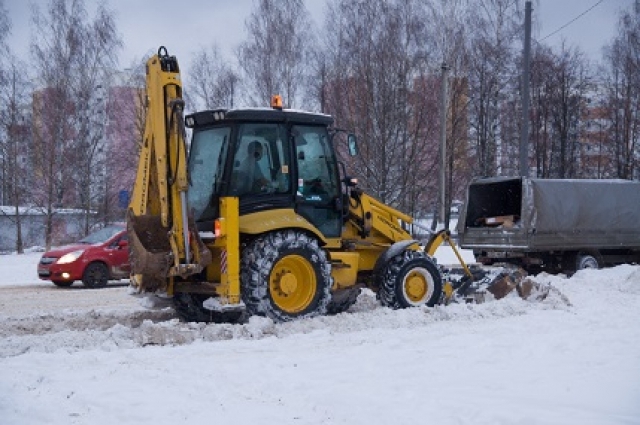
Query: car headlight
[70,257]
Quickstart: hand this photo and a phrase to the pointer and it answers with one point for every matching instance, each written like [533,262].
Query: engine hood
[62,250]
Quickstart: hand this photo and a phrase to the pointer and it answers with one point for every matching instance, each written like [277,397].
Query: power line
[571,21]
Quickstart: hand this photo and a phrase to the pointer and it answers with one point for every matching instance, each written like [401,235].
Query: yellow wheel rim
[418,287]
[292,284]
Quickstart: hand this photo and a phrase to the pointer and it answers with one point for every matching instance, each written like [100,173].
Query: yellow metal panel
[265,221]
[230,253]
[213,269]
[345,274]
[368,258]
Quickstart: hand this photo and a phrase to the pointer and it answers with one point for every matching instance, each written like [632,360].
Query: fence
[67,227]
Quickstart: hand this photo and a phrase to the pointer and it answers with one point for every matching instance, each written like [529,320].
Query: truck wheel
[586,261]
[96,275]
[285,275]
[63,283]
[410,279]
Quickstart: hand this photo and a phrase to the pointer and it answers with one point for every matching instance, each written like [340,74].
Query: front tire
[96,275]
[285,275]
[410,279]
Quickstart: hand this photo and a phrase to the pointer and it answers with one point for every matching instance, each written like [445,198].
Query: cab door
[318,184]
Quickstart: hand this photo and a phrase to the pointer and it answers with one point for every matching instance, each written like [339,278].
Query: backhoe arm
[163,243]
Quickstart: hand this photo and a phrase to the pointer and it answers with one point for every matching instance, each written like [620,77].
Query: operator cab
[269,159]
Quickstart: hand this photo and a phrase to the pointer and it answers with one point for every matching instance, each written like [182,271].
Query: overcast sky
[185,26]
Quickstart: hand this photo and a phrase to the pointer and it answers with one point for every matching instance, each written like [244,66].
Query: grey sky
[184,26]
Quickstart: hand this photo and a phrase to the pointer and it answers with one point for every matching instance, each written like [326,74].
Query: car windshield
[102,235]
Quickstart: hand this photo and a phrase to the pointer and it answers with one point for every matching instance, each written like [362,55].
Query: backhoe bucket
[149,251]
[152,258]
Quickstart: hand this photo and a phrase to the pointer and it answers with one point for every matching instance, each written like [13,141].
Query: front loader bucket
[497,282]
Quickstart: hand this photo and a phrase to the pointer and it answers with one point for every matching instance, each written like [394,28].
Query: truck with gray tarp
[551,224]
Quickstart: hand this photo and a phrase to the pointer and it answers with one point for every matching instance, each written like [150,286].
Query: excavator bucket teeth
[149,249]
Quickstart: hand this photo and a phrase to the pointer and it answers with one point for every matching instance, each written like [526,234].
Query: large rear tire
[285,275]
[410,279]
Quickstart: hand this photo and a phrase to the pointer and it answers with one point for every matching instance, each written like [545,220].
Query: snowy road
[38,298]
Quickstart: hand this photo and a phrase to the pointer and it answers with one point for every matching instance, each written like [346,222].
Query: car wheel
[63,283]
[96,275]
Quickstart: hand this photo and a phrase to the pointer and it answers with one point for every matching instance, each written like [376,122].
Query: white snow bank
[503,362]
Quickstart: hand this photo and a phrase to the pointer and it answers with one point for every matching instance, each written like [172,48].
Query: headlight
[70,257]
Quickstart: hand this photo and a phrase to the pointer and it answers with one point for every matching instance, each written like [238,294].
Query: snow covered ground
[502,362]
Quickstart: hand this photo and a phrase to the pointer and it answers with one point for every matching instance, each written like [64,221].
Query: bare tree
[5,29]
[376,81]
[561,83]
[15,123]
[72,56]
[542,69]
[448,30]
[496,26]
[126,112]
[570,83]
[623,97]
[274,59]
[213,80]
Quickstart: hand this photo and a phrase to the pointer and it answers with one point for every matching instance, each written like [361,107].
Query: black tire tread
[259,258]
[392,274]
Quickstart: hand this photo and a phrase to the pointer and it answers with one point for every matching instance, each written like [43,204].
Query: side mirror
[352,143]
[123,243]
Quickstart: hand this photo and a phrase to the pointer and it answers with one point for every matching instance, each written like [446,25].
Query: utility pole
[443,142]
[526,71]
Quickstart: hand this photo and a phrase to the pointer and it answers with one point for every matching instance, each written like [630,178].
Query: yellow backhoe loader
[258,219]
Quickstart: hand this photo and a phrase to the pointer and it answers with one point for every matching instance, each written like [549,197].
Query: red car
[96,259]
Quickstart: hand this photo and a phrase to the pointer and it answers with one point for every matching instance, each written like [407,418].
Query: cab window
[260,163]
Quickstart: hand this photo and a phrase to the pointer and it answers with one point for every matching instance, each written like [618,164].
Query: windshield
[102,236]
[208,150]
[317,175]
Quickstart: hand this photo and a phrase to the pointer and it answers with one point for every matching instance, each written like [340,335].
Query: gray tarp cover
[557,205]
